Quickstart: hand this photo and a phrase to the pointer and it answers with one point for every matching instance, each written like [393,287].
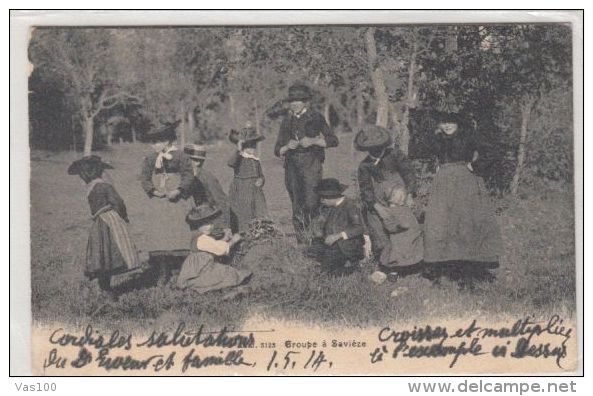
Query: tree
[530,61]
[378,80]
[81,60]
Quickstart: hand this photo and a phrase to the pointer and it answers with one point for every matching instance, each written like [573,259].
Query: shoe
[392,277]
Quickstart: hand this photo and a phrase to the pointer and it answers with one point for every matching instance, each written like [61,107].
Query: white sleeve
[208,244]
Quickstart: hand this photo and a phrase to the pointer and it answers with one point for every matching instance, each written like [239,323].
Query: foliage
[218,78]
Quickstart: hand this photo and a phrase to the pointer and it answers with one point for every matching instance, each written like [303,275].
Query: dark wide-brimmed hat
[88,164]
[330,188]
[372,136]
[449,117]
[200,215]
[299,92]
[247,134]
[195,151]
[166,133]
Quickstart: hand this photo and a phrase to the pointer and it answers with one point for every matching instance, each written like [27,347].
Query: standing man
[302,140]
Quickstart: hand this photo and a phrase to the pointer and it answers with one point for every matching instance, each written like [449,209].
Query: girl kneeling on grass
[200,270]
[109,249]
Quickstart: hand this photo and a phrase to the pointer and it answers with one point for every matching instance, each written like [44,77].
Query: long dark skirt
[460,224]
[109,248]
[247,202]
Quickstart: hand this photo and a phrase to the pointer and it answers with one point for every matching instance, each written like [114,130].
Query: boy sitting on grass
[338,229]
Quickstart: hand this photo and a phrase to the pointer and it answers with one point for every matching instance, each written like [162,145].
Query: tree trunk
[359,109]
[73,128]
[88,122]
[404,131]
[525,115]
[182,127]
[326,107]
[232,110]
[378,80]
[191,124]
[257,115]
[108,132]
[133,130]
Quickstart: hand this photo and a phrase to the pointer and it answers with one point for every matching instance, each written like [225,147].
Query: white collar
[92,185]
[164,155]
[300,113]
[377,159]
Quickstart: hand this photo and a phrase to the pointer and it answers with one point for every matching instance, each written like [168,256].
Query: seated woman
[338,229]
[200,270]
[384,163]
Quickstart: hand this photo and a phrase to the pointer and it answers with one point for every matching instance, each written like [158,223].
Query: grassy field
[536,276]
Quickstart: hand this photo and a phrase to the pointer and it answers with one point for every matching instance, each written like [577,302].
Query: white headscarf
[164,154]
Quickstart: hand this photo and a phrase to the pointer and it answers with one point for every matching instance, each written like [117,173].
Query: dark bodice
[103,195]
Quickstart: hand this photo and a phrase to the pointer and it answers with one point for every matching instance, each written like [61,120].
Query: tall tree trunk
[87,126]
[521,153]
[73,128]
[182,128]
[233,109]
[257,115]
[191,125]
[326,107]
[359,109]
[404,130]
[133,130]
[378,79]
[199,133]
[108,132]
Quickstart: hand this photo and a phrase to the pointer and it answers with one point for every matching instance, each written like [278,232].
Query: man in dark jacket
[302,139]
[338,229]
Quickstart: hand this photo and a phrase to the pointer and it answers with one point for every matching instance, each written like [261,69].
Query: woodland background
[91,88]
[103,89]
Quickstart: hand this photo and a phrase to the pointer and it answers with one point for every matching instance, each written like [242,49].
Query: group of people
[459,235]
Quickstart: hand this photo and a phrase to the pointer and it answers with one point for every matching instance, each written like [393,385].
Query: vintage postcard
[392,196]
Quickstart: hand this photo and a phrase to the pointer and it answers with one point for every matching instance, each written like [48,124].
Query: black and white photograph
[354,198]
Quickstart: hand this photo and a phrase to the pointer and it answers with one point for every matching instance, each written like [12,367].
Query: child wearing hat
[206,189]
[338,229]
[246,194]
[200,270]
[109,248]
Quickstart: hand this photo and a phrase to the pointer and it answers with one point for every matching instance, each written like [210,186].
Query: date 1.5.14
[295,360]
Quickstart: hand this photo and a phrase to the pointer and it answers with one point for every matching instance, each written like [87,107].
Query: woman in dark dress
[462,239]
[384,167]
